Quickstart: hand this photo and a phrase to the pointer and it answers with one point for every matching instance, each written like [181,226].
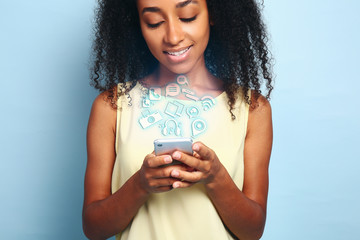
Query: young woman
[178,68]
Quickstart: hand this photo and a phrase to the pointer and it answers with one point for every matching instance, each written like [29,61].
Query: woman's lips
[178,53]
[178,56]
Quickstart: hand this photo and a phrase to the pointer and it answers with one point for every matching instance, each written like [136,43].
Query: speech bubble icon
[172,90]
[198,127]
[182,79]
[192,112]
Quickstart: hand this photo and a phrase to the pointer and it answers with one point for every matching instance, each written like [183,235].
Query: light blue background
[45,101]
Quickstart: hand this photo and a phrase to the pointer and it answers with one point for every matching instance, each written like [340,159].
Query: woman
[190,50]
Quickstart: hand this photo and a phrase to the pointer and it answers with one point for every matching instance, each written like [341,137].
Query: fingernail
[176,155]
[167,159]
[176,185]
[175,173]
[196,147]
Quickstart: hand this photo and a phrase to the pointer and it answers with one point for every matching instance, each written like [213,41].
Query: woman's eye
[154,25]
[188,19]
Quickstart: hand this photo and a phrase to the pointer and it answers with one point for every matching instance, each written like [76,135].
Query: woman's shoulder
[258,102]
[103,110]
[106,100]
[259,111]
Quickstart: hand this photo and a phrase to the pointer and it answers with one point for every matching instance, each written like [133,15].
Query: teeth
[178,53]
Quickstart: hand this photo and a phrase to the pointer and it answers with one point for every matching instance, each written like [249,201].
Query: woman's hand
[205,164]
[155,177]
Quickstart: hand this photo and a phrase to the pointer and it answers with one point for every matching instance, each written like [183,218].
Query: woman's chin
[183,68]
[175,69]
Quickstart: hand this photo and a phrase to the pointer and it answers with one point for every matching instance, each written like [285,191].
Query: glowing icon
[190,94]
[192,112]
[207,102]
[155,93]
[168,130]
[182,80]
[198,126]
[146,103]
[148,119]
[174,109]
[172,90]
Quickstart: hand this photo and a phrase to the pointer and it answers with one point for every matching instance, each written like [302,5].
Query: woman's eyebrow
[178,5]
[185,3]
[150,9]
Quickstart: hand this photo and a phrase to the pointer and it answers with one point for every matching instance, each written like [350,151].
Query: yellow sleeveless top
[180,213]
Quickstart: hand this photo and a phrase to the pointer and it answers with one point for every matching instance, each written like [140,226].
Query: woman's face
[176,32]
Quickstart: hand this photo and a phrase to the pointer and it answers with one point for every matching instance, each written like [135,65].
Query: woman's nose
[174,32]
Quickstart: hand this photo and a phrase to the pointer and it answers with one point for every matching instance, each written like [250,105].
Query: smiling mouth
[178,53]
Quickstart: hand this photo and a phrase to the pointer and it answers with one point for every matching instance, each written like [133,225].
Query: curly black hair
[237,51]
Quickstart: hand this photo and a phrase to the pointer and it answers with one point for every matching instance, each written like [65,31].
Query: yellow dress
[180,213]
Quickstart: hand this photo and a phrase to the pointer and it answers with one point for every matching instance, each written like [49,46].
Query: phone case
[169,145]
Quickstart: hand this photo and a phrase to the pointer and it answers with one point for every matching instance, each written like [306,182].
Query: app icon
[207,102]
[192,112]
[182,80]
[171,130]
[146,103]
[190,94]
[148,120]
[174,109]
[198,126]
[172,90]
[155,94]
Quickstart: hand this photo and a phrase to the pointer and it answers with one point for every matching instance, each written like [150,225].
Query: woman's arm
[104,214]
[243,212]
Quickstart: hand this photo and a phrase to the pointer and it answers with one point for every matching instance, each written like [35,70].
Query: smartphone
[170,145]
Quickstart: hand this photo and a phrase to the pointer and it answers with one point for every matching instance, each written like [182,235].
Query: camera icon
[149,120]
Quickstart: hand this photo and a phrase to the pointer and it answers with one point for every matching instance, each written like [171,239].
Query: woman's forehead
[176,3]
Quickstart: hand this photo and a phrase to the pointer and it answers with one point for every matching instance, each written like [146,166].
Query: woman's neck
[200,81]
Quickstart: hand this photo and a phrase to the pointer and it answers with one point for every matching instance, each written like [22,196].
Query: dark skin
[243,212]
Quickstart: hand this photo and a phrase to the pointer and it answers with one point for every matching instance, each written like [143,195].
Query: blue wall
[45,102]
[315,162]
